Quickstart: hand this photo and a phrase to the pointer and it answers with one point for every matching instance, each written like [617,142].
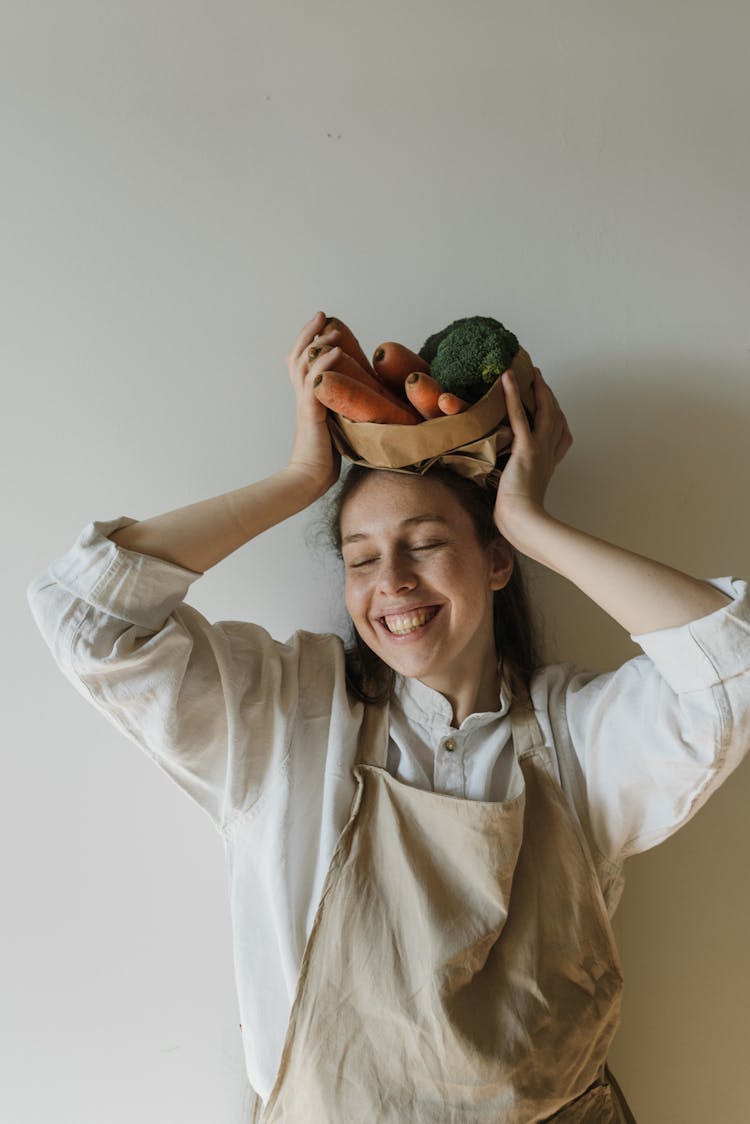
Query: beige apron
[461,965]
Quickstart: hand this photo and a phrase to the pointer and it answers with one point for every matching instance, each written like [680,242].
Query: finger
[322,343]
[563,445]
[320,355]
[307,335]
[566,440]
[516,413]
[302,371]
[305,384]
[331,337]
[549,418]
[300,362]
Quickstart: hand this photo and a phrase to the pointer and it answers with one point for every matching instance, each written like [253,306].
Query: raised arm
[202,534]
[209,702]
[639,593]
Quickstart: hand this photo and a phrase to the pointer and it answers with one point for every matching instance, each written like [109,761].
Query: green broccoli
[469,355]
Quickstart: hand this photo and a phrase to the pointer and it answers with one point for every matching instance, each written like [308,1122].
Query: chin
[410,668]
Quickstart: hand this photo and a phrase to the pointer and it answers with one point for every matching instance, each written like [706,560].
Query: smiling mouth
[403,624]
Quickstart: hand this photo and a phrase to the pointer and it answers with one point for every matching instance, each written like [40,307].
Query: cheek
[353,599]
[455,574]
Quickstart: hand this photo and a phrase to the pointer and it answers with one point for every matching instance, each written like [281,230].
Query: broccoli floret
[469,355]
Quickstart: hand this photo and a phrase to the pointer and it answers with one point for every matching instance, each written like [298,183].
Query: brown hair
[516,637]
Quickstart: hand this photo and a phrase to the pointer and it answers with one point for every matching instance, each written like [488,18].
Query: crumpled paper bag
[470,443]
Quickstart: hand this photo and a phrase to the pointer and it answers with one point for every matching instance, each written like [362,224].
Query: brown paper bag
[469,443]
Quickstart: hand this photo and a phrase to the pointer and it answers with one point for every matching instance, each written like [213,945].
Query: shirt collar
[430,708]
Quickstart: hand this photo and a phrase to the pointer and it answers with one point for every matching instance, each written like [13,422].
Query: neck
[476,693]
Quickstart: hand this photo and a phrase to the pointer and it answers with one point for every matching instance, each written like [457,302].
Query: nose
[396,575]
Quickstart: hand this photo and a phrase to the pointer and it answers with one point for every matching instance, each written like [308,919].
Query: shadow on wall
[662,441]
[661,467]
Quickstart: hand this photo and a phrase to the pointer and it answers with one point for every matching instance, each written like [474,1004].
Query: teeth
[408,622]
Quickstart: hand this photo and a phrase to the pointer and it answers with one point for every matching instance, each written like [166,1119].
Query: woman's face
[418,584]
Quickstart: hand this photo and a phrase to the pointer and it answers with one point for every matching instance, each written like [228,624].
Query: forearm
[641,594]
[201,534]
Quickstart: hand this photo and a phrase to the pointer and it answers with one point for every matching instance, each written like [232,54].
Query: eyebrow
[428,518]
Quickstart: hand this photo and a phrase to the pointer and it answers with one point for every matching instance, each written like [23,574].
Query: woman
[425,837]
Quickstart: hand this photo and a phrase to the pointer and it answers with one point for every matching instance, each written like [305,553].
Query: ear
[501,560]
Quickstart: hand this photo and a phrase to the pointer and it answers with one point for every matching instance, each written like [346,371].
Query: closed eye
[413,549]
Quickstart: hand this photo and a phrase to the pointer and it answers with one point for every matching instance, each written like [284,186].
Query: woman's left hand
[534,455]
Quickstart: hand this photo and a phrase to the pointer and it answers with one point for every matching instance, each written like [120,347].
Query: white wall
[184,185]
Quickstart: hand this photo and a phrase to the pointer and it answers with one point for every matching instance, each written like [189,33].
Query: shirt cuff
[138,588]
[707,651]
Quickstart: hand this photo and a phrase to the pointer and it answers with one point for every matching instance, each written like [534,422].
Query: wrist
[305,482]
[525,524]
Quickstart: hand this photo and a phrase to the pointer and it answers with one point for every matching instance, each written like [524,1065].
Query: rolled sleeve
[659,735]
[212,704]
[706,651]
[135,587]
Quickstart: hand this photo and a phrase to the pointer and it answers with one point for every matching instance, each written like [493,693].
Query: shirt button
[450,744]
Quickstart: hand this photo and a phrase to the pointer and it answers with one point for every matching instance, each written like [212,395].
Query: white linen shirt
[262,735]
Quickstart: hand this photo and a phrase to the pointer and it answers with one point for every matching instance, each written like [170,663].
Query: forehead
[385,500]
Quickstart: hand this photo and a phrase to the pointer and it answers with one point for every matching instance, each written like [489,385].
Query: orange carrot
[356,402]
[348,341]
[451,403]
[393,362]
[345,365]
[423,392]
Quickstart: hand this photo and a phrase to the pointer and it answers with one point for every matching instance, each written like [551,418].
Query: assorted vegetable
[347,365]
[393,363]
[452,371]
[469,355]
[451,403]
[352,399]
[424,393]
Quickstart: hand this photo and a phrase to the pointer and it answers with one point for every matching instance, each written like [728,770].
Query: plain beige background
[184,185]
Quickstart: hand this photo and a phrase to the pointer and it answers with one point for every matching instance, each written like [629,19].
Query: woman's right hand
[313,456]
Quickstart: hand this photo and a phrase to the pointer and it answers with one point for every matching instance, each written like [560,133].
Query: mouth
[412,623]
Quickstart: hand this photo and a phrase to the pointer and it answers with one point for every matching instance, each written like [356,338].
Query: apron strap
[528,736]
[372,742]
[525,728]
[573,785]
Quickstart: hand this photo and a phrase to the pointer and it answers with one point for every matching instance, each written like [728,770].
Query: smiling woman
[419,587]
[426,835]
[445,534]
